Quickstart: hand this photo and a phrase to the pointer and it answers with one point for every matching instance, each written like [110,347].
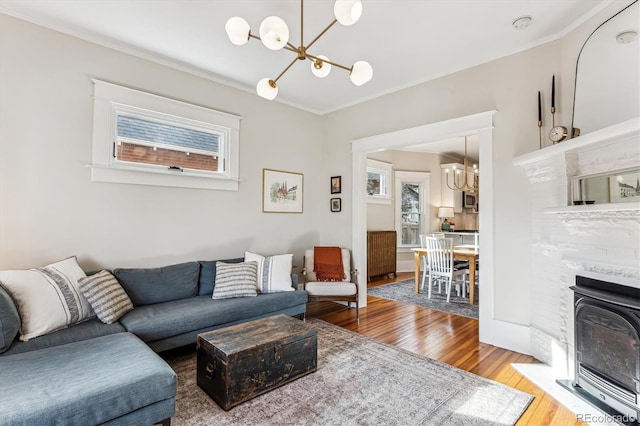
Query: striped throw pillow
[274,272]
[47,298]
[106,296]
[235,280]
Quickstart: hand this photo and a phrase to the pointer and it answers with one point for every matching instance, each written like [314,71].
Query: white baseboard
[405,266]
[507,335]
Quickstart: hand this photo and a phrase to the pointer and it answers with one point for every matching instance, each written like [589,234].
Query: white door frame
[480,124]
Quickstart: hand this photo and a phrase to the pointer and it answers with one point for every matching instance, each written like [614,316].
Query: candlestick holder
[540,132]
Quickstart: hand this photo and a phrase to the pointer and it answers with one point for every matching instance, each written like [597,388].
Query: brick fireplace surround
[600,240]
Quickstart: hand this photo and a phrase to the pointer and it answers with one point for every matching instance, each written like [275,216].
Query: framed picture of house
[625,187]
[336,184]
[281,191]
[336,205]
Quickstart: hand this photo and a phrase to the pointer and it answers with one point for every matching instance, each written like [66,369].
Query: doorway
[480,124]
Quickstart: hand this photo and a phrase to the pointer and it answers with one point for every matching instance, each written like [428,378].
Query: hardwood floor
[445,337]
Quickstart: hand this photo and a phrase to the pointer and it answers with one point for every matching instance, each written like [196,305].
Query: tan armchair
[336,291]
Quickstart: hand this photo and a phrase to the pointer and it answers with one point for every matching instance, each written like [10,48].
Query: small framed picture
[336,184]
[336,204]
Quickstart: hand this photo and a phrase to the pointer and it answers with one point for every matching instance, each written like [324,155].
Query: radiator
[381,253]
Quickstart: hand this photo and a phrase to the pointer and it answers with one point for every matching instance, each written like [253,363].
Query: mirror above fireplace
[607,89]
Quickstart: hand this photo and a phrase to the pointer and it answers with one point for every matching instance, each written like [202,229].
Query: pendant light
[463,184]
[274,34]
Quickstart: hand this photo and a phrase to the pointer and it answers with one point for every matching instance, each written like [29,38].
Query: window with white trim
[378,182]
[141,138]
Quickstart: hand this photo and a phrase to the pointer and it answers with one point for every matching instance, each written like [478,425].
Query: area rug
[359,381]
[405,291]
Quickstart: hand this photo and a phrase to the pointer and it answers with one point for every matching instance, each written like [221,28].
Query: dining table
[468,252]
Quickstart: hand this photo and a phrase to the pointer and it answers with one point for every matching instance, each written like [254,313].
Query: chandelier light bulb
[267,88]
[238,30]
[361,72]
[274,33]
[347,12]
[320,68]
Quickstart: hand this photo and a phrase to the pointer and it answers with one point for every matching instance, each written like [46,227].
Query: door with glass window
[412,202]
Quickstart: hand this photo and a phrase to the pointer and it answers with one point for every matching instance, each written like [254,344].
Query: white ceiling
[406,41]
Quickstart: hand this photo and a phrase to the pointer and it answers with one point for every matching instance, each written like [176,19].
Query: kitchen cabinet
[459,238]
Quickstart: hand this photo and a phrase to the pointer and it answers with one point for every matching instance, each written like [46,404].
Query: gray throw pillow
[106,296]
[9,320]
[236,280]
[147,286]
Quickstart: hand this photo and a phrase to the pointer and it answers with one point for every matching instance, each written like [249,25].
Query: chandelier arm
[285,70]
[456,186]
[290,47]
[321,33]
[315,58]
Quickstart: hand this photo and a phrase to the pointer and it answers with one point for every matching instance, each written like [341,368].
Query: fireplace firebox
[607,345]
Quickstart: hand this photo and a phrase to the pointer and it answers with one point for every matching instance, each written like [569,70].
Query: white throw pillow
[235,280]
[274,272]
[47,298]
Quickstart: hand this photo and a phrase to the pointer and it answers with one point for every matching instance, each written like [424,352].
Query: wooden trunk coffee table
[242,361]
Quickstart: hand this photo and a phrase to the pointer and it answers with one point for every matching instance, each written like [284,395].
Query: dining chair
[425,258]
[441,265]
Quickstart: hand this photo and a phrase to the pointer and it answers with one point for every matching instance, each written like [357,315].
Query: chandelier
[463,184]
[274,34]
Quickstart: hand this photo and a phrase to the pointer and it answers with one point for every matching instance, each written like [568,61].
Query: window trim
[109,99]
[424,181]
[385,169]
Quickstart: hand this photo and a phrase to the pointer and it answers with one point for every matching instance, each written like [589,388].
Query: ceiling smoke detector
[626,37]
[521,23]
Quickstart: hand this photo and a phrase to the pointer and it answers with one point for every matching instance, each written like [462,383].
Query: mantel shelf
[594,208]
[626,129]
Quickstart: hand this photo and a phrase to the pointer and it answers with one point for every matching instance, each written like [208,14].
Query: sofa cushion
[9,320]
[208,274]
[106,296]
[235,280]
[274,272]
[146,286]
[47,298]
[156,322]
[87,382]
[83,331]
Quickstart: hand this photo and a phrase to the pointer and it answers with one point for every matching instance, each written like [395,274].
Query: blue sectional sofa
[96,373]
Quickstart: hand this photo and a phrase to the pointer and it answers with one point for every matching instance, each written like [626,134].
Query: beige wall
[50,209]
[382,216]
